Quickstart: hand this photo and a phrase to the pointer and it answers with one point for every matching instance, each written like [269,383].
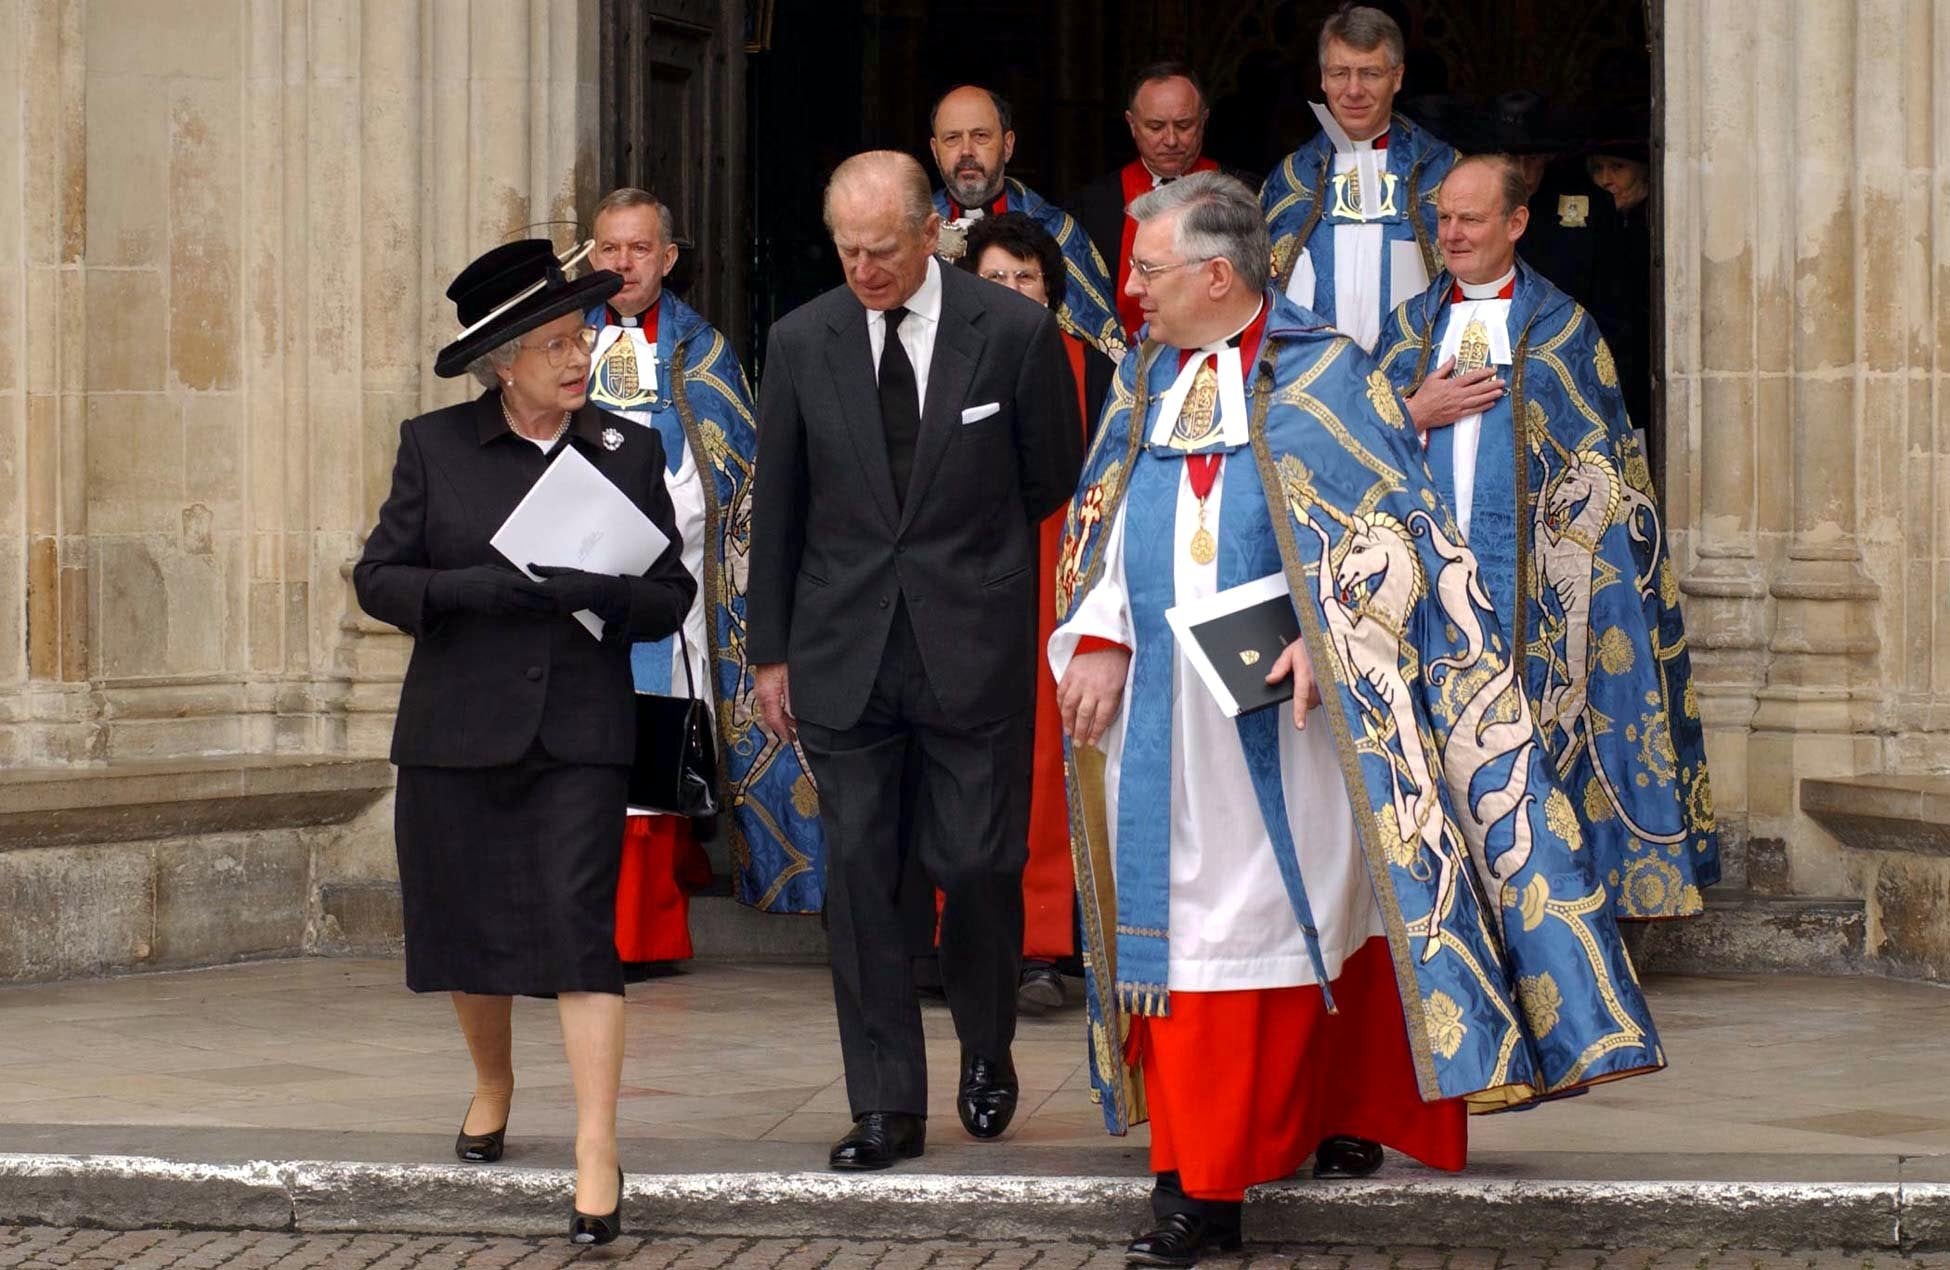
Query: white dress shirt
[917,330]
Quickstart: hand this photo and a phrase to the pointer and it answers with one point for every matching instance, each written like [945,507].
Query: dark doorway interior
[760,129]
[837,76]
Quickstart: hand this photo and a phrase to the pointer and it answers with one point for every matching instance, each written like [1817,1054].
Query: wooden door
[673,122]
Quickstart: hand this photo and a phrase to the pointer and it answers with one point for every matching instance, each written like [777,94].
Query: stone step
[1744,932]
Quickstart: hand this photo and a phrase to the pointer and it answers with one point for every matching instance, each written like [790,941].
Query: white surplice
[1231,923]
[1359,251]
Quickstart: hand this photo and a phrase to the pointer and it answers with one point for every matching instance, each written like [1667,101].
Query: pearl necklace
[509,416]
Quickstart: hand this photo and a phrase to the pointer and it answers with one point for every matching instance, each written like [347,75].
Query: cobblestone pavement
[22,1247]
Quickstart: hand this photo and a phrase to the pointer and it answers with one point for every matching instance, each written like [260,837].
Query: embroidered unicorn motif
[1368,583]
[1576,508]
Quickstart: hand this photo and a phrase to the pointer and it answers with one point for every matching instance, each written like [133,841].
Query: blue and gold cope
[1591,599]
[703,405]
[1089,309]
[1514,982]
[1303,193]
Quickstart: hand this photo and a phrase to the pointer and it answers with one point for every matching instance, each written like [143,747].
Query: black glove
[487,589]
[572,590]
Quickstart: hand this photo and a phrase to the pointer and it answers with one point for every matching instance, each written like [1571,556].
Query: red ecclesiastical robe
[662,865]
[1137,180]
[1243,1085]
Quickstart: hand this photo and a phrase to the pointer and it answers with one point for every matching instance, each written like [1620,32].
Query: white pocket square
[975,414]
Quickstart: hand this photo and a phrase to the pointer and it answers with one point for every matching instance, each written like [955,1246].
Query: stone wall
[225,232]
[1807,250]
[221,287]
[220,291]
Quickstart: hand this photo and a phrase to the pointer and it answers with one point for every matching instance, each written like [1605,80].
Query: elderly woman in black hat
[516,727]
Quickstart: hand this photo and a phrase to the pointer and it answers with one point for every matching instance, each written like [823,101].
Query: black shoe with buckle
[1179,1239]
[987,1100]
[1347,1157]
[879,1139]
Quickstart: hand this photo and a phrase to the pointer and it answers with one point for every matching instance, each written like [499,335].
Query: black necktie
[900,404]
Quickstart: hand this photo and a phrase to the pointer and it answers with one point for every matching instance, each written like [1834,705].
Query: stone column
[1907,528]
[1822,641]
[50,708]
[1724,363]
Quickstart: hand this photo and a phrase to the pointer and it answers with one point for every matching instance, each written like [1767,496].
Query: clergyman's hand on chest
[1441,400]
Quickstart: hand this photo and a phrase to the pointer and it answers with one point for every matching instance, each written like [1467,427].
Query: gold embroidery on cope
[1349,203]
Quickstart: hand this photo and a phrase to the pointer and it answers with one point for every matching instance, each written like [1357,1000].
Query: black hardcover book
[1242,646]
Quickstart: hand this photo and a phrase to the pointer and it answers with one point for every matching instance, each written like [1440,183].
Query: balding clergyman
[915,426]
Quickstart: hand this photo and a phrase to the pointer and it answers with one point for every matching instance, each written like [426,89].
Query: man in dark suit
[914,427]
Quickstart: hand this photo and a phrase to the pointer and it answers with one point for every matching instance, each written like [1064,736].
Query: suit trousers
[905,780]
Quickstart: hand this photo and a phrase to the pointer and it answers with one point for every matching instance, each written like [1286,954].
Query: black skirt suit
[515,733]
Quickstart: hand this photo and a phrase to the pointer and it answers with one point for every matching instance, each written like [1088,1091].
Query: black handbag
[676,767]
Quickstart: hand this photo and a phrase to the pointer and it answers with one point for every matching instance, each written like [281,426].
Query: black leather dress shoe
[1040,989]
[1179,1239]
[879,1139]
[1347,1157]
[987,1101]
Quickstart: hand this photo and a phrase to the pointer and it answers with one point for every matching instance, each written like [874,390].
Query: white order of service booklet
[575,517]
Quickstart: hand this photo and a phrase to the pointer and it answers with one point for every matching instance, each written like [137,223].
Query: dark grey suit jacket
[833,550]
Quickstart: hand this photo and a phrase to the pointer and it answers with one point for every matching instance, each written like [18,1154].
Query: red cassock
[1048,881]
[1136,179]
[1242,1086]
[662,865]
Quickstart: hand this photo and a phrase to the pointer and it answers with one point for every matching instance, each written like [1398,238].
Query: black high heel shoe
[589,1229]
[479,1148]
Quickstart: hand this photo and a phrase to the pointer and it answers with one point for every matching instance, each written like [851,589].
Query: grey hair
[1509,177]
[485,367]
[1221,221]
[900,172]
[631,196]
[1363,29]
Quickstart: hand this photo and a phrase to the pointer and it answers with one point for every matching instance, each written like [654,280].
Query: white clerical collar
[1230,339]
[925,303]
[1343,143]
[1232,388]
[1486,290]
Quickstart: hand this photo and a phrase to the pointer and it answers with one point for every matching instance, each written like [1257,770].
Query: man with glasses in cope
[1352,212]
[660,364]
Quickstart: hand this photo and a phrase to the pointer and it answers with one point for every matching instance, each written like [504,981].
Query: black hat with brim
[510,291]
